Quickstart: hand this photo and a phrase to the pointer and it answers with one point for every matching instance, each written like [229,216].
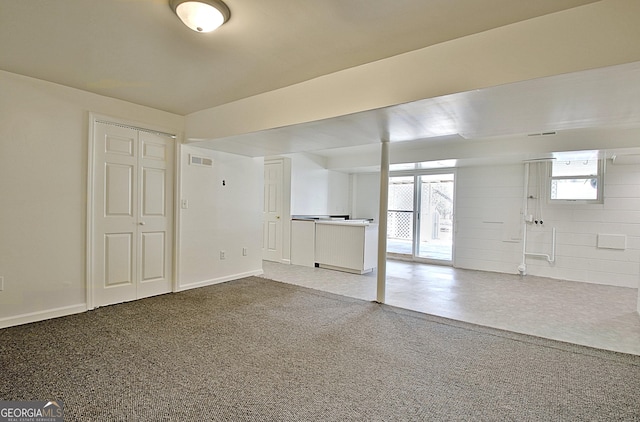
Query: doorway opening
[420,217]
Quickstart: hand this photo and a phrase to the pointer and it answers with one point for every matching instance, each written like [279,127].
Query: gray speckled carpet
[260,350]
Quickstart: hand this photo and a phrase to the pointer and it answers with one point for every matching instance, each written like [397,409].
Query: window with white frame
[577,180]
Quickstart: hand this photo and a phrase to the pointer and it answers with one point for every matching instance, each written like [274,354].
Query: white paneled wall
[489,229]
[579,226]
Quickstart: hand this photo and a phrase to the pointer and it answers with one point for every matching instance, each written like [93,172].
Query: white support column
[382,221]
[639,300]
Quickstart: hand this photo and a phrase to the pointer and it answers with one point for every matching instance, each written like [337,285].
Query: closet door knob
[141,223]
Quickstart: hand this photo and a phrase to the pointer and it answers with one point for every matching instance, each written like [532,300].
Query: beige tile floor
[588,314]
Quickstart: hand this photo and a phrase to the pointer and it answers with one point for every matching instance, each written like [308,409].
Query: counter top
[346,222]
[319,217]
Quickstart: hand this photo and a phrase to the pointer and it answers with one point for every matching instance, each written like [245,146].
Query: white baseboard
[42,315]
[219,280]
[76,309]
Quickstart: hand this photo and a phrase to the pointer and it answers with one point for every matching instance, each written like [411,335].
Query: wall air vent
[195,160]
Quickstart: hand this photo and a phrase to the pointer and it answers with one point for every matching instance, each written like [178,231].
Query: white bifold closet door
[133,214]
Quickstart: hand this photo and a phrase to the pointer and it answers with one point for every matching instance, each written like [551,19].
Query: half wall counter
[346,245]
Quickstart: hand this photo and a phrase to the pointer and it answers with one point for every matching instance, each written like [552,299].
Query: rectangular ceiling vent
[196,160]
[542,134]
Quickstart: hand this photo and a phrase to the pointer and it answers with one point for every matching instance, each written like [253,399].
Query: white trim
[219,280]
[42,315]
[345,269]
[148,127]
[177,210]
[90,206]
[285,205]
[561,201]
[109,121]
[286,211]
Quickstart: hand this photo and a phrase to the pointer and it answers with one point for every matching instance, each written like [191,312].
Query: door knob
[277,217]
[141,223]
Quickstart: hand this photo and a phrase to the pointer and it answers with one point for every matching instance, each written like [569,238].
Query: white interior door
[133,218]
[155,212]
[272,213]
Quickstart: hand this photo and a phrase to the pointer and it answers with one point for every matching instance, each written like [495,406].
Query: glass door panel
[434,237]
[400,227]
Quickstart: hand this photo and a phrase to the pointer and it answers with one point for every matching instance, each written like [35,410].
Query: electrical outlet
[222,255]
[1,283]
[185,204]
[245,251]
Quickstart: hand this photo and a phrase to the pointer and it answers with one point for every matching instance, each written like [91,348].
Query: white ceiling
[138,50]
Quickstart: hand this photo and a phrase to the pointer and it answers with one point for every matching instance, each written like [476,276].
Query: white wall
[366,195]
[220,218]
[488,233]
[316,190]
[578,227]
[43,173]
[488,203]
[43,193]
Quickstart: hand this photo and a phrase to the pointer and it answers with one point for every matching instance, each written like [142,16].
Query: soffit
[507,120]
[138,50]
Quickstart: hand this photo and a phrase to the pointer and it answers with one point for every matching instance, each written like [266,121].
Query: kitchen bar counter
[346,245]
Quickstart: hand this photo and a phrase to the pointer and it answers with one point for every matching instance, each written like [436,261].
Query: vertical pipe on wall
[382,221]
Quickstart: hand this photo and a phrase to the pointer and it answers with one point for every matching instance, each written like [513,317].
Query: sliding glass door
[435,232]
[401,215]
[420,219]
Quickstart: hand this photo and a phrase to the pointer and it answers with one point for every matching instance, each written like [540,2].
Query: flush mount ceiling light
[201,15]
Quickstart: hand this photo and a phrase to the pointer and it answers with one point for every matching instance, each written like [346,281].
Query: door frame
[416,220]
[90,224]
[418,226]
[285,257]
